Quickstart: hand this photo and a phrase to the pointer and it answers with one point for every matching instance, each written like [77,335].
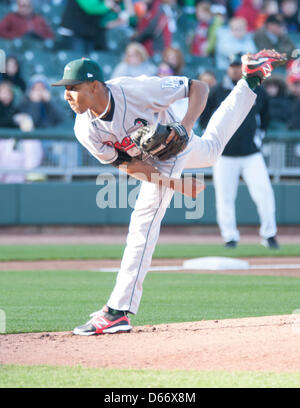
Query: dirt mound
[259,344]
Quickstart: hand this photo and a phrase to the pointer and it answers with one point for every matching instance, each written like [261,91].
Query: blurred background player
[242,156]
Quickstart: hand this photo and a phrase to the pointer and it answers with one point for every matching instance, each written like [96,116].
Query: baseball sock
[115,312]
[253,82]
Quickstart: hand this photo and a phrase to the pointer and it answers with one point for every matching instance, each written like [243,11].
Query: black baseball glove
[152,140]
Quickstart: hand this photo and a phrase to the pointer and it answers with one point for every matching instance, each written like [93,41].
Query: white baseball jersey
[146,100]
[138,101]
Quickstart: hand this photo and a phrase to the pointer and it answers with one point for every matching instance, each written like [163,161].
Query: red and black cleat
[104,322]
[262,63]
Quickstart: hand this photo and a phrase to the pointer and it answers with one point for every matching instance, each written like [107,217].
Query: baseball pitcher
[129,123]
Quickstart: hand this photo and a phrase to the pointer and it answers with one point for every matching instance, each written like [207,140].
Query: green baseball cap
[80,70]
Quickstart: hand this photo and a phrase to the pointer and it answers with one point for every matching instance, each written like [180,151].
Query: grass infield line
[163,251]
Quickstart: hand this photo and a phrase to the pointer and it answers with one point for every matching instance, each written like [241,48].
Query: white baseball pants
[226,174]
[153,201]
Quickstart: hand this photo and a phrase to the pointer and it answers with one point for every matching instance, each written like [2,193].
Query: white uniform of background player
[242,156]
[147,100]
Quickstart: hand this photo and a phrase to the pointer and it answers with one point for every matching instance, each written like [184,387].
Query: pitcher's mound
[260,343]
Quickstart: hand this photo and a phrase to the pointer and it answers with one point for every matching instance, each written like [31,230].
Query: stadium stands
[43,57]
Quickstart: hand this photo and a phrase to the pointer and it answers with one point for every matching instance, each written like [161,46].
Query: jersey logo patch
[171,82]
[127,145]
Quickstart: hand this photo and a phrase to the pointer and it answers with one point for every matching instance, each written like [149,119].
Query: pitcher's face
[79,96]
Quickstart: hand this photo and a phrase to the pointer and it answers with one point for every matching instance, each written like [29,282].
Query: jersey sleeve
[105,153]
[160,93]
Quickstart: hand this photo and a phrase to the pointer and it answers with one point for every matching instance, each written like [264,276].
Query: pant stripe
[150,226]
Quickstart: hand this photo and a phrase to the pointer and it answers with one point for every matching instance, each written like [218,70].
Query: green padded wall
[75,203]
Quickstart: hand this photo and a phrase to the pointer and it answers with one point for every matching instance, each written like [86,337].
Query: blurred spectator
[174,57]
[187,6]
[279,104]
[231,6]
[250,10]
[38,104]
[170,9]
[293,81]
[80,29]
[203,41]
[290,12]
[9,112]
[135,62]
[269,7]
[154,28]
[122,14]
[13,74]
[140,8]
[208,77]
[7,106]
[44,113]
[164,69]
[272,35]
[219,17]
[24,22]
[233,39]
[16,155]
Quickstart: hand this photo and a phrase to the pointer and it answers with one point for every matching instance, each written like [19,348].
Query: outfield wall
[54,203]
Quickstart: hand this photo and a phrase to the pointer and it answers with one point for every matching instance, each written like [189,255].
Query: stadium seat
[107,60]
[4,9]
[118,39]
[52,11]
[295,37]
[39,62]
[64,56]
[196,65]
[198,61]
[186,23]
[179,41]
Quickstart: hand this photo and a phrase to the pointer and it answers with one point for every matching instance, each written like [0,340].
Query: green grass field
[39,252]
[62,377]
[36,301]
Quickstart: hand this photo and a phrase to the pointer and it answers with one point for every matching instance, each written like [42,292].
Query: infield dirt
[268,343]
[258,344]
